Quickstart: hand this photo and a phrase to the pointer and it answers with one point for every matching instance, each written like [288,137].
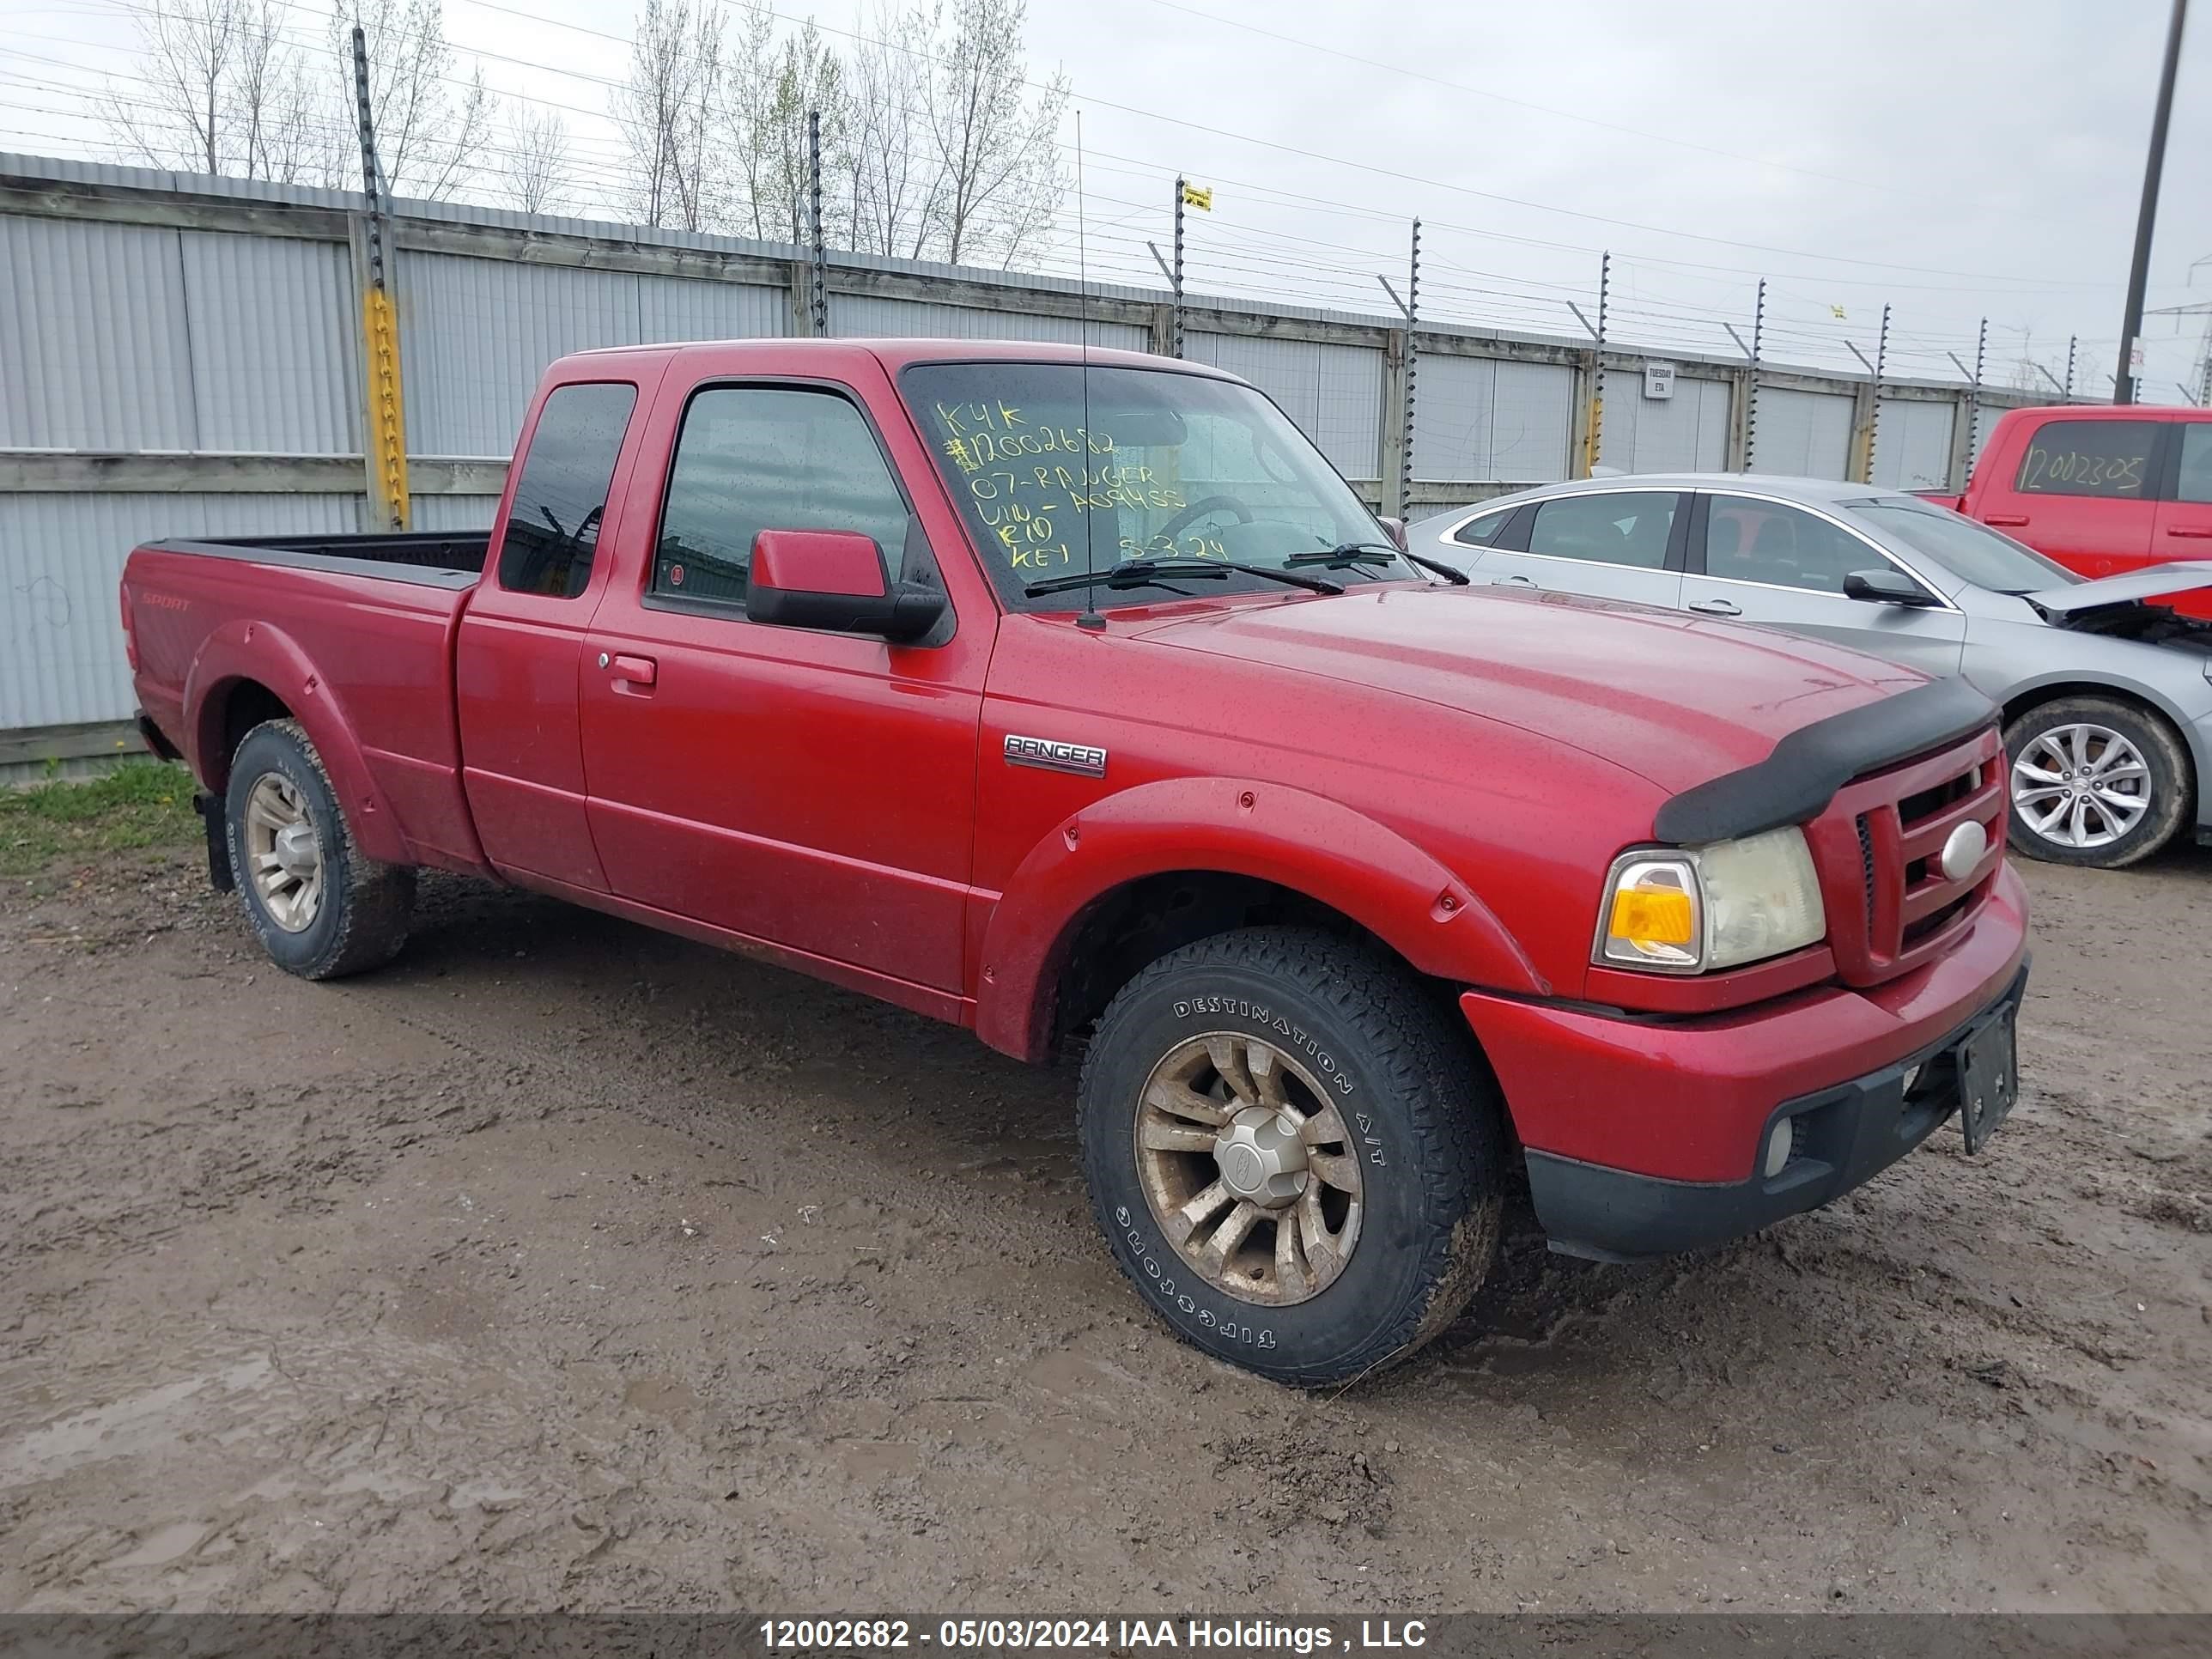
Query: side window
[1750,541]
[2194,482]
[2088,458]
[1622,527]
[751,458]
[553,528]
[1480,532]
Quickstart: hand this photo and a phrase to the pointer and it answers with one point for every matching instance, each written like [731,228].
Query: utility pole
[1174,276]
[2123,381]
[1400,368]
[1594,406]
[817,306]
[1751,380]
[385,451]
[1871,426]
[1412,317]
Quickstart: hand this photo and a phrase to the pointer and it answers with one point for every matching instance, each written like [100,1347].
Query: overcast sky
[1956,158]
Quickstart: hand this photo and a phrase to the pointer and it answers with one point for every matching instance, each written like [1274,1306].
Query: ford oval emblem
[1964,850]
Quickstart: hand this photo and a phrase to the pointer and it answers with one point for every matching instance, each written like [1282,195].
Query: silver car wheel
[283,854]
[2081,786]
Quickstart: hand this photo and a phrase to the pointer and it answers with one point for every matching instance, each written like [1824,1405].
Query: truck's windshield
[1167,464]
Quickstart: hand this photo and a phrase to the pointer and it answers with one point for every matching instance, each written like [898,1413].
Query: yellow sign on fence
[1200,196]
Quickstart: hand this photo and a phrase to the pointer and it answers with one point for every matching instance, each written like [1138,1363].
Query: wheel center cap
[295,848]
[1261,1157]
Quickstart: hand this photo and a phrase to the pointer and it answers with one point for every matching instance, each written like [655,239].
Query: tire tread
[1413,1053]
[377,902]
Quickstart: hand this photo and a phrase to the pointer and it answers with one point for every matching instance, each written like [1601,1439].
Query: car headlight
[1696,909]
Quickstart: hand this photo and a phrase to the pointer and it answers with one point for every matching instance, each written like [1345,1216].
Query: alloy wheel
[283,854]
[2081,786]
[1250,1169]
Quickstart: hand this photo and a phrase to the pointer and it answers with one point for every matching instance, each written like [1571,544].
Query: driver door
[1761,560]
[809,789]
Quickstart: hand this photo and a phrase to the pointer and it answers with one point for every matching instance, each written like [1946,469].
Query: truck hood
[2179,578]
[1677,699]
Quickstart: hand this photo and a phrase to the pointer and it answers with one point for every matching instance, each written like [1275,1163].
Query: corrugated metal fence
[182,356]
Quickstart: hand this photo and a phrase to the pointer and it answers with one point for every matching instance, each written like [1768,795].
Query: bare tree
[432,126]
[889,183]
[809,80]
[996,146]
[669,112]
[220,90]
[535,171]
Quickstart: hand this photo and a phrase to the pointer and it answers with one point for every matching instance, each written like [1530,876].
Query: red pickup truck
[2104,491]
[1073,698]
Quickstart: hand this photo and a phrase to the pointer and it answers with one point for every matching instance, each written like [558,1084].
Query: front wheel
[2095,781]
[1294,1154]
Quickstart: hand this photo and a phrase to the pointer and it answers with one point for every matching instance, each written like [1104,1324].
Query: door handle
[630,671]
[1717,607]
[2201,533]
[1512,581]
[2009,520]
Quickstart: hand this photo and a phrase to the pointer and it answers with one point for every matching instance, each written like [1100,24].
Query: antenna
[1089,618]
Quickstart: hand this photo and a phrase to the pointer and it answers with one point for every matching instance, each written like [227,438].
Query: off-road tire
[2172,780]
[366,905]
[1427,1120]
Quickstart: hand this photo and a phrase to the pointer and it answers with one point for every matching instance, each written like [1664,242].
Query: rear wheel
[320,909]
[2095,781]
[1293,1154]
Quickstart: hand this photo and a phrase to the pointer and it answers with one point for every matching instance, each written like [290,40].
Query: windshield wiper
[1146,573]
[1346,554]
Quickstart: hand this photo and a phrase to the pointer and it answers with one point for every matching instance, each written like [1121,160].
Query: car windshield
[1166,465]
[1965,548]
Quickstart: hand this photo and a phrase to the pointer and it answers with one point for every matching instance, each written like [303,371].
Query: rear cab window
[552,529]
[2109,459]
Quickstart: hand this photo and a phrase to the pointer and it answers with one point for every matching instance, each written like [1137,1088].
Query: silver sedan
[2107,698]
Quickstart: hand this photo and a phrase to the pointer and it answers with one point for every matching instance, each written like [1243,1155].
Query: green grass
[140,804]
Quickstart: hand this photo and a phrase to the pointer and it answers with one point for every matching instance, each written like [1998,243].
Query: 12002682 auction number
[867,1635]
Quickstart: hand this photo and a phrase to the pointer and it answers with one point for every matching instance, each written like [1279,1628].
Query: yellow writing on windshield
[1027,476]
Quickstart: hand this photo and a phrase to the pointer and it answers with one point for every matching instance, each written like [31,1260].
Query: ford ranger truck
[1074,698]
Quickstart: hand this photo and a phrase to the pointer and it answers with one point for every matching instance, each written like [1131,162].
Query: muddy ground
[563,1264]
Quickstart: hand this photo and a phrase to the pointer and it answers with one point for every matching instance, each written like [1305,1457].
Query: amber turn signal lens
[1653,916]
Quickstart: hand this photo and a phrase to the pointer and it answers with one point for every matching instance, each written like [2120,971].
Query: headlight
[1696,909]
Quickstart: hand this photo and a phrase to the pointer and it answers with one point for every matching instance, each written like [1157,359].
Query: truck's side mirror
[1885,588]
[1396,529]
[836,578]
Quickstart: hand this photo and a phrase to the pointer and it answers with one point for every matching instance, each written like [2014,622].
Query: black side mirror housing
[1885,588]
[836,579]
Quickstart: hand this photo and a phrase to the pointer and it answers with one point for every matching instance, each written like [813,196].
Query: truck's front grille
[1879,849]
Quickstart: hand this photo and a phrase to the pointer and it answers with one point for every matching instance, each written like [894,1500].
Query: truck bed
[353,635]
[433,556]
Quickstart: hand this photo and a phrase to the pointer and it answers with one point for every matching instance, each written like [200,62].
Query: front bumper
[1642,1136]
[1843,1137]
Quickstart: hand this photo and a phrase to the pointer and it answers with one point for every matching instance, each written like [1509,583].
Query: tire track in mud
[570,1264]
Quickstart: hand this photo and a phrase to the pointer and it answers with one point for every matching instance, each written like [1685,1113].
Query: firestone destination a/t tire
[1294,1154]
